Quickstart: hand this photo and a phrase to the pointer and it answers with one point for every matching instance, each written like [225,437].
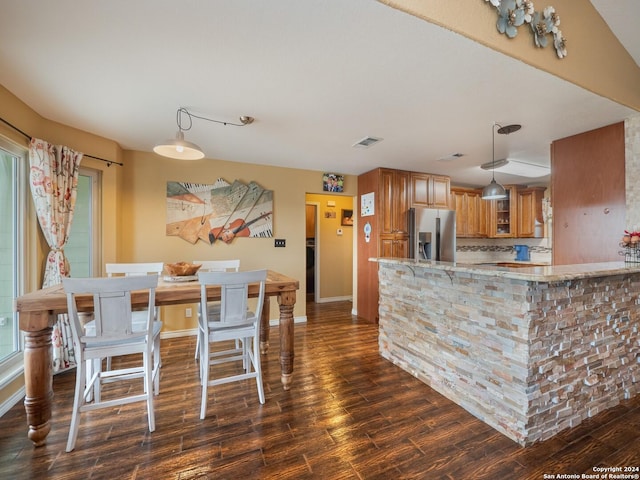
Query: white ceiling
[318,76]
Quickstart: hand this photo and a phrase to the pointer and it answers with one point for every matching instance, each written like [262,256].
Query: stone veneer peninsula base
[530,351]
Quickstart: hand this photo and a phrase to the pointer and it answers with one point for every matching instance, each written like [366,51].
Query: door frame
[316,252]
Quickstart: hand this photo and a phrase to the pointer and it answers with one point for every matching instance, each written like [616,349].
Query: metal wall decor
[514,13]
[218,212]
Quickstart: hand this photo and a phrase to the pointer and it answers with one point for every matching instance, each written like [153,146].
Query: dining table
[38,311]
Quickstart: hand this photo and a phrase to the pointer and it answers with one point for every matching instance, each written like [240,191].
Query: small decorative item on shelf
[631,246]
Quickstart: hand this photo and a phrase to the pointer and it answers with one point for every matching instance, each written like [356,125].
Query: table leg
[264,326]
[286,300]
[38,379]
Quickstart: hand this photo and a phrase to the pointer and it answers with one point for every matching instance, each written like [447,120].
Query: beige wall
[595,60]
[143,238]
[334,252]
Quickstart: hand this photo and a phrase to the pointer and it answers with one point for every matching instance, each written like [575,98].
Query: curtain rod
[29,137]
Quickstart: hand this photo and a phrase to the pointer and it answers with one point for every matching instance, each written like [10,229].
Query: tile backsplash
[480,250]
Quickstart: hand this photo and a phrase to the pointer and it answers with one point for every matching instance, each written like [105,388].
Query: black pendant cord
[29,137]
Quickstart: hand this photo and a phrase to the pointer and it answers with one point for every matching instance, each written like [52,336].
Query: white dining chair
[214,266]
[113,334]
[136,269]
[234,321]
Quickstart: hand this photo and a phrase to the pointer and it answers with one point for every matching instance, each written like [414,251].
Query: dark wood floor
[349,415]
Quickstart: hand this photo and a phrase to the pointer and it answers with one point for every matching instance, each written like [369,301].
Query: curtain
[53,177]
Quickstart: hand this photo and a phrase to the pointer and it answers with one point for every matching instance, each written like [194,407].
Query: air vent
[366,142]
[453,156]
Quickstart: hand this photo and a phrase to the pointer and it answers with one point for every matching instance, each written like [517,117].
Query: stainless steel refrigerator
[432,234]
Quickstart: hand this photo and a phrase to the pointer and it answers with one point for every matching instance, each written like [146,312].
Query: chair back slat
[218,265]
[234,293]
[111,305]
[133,269]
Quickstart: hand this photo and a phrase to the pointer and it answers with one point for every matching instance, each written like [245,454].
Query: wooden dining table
[38,312]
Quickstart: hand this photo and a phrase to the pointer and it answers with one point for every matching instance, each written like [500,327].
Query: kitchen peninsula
[530,351]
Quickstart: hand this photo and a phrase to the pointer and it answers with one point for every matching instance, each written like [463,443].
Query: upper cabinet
[503,215]
[394,201]
[431,191]
[530,221]
[471,213]
[517,216]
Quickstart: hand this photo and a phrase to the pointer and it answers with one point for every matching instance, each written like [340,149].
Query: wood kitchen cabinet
[471,212]
[518,216]
[431,191]
[503,215]
[394,201]
[530,221]
[394,192]
[394,246]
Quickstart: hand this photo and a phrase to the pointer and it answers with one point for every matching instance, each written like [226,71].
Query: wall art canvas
[218,212]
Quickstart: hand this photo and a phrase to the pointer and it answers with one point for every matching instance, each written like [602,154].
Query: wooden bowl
[181,269]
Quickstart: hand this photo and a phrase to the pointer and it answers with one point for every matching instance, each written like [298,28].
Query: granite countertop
[546,273]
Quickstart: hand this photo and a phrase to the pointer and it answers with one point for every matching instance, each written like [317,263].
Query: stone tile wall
[528,358]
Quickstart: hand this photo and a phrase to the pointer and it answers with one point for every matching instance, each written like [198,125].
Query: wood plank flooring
[349,415]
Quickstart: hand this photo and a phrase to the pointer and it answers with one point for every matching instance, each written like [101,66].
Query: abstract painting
[218,212]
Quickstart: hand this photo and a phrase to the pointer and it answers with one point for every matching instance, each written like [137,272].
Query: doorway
[329,244]
[311,222]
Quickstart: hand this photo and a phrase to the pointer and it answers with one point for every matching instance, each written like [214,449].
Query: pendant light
[495,191]
[181,149]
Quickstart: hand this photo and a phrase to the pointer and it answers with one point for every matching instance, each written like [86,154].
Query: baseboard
[179,333]
[9,403]
[274,322]
[335,299]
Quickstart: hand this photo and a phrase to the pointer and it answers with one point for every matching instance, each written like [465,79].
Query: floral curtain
[53,177]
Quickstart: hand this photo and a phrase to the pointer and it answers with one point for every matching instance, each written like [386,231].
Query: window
[83,248]
[13,189]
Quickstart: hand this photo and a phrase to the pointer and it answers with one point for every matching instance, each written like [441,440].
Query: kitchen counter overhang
[531,351]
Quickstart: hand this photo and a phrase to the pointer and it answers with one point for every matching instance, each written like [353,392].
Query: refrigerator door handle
[437,255]
[412,234]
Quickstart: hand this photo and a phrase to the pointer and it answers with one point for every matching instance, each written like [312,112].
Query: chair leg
[78,401]
[197,344]
[204,376]
[94,366]
[201,356]
[258,367]
[246,359]
[148,361]
[157,363]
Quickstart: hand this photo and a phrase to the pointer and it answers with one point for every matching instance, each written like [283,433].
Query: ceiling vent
[366,142]
[453,156]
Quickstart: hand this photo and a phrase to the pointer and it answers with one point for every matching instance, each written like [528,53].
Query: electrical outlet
[280,242]
[188,313]
[3,321]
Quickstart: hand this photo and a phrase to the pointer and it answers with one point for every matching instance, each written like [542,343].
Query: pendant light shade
[179,148]
[495,191]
